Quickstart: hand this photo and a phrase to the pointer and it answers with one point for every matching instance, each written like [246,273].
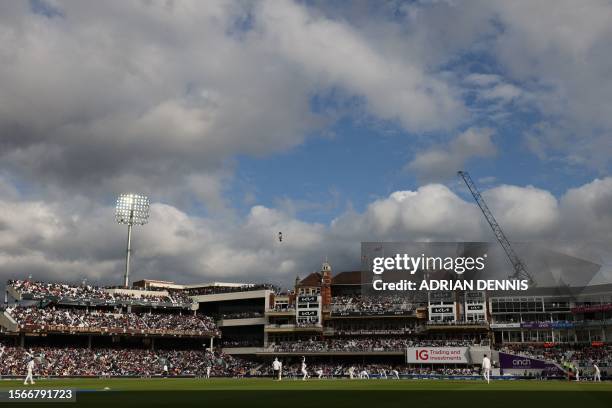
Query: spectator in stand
[379,303]
[363,344]
[212,290]
[73,361]
[44,290]
[78,318]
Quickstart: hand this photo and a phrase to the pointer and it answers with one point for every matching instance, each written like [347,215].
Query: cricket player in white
[383,373]
[280,371]
[304,372]
[351,372]
[208,368]
[364,374]
[486,368]
[597,373]
[319,373]
[276,367]
[30,376]
[395,374]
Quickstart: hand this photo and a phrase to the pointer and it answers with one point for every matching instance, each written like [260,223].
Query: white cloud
[111,94]
[528,212]
[560,52]
[83,241]
[442,162]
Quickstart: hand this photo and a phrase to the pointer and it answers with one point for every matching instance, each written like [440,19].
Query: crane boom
[520,270]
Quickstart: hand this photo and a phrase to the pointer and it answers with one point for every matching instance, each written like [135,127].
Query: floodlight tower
[132,209]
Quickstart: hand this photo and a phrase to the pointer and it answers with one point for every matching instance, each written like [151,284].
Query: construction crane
[520,270]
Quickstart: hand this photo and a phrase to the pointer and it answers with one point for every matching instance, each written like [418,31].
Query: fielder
[351,372]
[30,376]
[364,374]
[276,367]
[486,368]
[319,373]
[208,368]
[596,374]
[304,372]
[395,374]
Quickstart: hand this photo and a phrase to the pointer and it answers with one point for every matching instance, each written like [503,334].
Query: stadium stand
[237,329]
[32,319]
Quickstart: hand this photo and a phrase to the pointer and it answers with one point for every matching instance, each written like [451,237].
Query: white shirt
[276,365]
[486,363]
[31,365]
[596,368]
[303,366]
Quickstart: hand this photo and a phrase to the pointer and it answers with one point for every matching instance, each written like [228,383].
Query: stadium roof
[347,278]
[314,279]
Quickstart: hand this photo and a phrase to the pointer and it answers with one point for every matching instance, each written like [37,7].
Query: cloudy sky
[333,122]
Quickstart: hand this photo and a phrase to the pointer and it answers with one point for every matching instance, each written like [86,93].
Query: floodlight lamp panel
[132,209]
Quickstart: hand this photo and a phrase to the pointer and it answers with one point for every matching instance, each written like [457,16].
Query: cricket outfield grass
[225,392]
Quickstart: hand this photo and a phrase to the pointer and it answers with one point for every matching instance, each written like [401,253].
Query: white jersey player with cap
[486,368]
[304,372]
[276,367]
[596,373]
[30,372]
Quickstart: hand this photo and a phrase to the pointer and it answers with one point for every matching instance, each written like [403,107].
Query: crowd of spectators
[458,323]
[109,362]
[66,319]
[578,355]
[45,290]
[213,290]
[362,344]
[283,308]
[71,361]
[372,304]
[330,370]
[236,342]
[242,315]
[106,362]
[373,327]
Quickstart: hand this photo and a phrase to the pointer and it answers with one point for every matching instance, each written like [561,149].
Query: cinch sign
[437,355]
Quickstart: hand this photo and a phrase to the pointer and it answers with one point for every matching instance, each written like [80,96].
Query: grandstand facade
[238,328]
